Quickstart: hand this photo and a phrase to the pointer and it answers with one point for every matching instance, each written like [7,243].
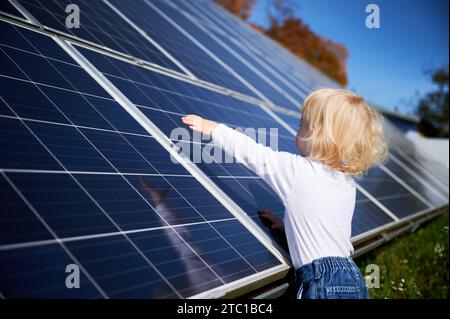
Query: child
[340,137]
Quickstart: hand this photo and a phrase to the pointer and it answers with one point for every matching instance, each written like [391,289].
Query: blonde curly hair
[340,129]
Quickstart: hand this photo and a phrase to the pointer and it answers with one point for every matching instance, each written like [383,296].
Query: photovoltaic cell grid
[415,165]
[367,216]
[406,152]
[231,54]
[398,199]
[165,26]
[420,169]
[122,37]
[420,185]
[77,168]
[101,26]
[251,53]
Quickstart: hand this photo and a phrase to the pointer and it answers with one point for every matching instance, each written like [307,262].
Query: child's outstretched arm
[276,168]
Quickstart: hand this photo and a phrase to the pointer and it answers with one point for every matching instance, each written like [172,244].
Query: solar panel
[82,180]
[367,216]
[432,195]
[233,56]
[101,26]
[168,33]
[398,199]
[417,169]
[90,190]
[293,122]
[419,166]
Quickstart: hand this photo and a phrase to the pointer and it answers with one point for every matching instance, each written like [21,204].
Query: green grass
[414,265]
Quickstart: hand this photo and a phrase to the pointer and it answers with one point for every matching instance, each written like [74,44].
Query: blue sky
[385,65]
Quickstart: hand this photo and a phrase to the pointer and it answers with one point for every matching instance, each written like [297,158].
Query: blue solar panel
[419,185]
[40,273]
[409,160]
[100,25]
[7,7]
[293,122]
[179,45]
[391,194]
[271,91]
[86,184]
[367,216]
[27,227]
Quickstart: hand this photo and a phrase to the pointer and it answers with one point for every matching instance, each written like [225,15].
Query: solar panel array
[86,149]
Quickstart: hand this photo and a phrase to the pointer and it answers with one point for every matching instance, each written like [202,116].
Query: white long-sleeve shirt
[319,201]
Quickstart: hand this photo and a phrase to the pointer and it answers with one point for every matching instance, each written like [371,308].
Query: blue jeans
[331,278]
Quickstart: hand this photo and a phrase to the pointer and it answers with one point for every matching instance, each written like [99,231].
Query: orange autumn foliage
[326,55]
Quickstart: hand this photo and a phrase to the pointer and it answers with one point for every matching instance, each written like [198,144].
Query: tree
[240,8]
[326,55]
[433,107]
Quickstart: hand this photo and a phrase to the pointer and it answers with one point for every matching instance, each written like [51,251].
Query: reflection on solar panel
[87,175]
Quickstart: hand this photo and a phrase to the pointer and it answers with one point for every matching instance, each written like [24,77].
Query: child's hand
[199,124]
